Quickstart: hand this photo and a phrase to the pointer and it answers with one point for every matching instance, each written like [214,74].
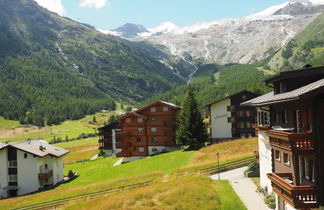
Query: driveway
[244,188]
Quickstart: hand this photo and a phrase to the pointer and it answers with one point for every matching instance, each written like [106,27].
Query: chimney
[41,148]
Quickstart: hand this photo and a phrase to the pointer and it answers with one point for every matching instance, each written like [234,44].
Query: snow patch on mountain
[165,27]
[107,32]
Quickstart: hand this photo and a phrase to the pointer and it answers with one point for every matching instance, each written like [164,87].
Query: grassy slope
[72,129]
[174,194]
[80,150]
[8,124]
[100,174]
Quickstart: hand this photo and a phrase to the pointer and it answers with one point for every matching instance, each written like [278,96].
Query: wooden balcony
[296,142]
[299,197]
[45,175]
[123,134]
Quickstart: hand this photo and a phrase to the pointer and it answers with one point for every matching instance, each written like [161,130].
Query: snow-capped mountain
[127,30]
[237,40]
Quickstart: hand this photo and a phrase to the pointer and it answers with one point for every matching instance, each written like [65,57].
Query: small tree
[94,119]
[191,130]
[112,119]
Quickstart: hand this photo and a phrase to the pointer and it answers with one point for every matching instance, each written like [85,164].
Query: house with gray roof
[29,166]
[291,132]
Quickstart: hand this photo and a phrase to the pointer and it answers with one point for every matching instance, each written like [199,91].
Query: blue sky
[109,14]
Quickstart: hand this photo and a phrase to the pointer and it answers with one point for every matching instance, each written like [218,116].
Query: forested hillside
[53,69]
[214,82]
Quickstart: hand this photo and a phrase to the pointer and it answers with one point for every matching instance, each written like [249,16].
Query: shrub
[270,200]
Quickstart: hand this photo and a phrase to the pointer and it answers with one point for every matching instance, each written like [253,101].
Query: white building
[29,166]
[229,120]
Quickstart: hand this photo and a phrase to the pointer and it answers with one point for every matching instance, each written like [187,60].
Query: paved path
[244,188]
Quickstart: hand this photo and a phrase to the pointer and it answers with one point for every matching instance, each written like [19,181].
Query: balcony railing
[45,175]
[301,142]
[299,197]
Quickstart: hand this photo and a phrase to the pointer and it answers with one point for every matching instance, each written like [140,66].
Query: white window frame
[128,120]
[12,164]
[153,109]
[140,130]
[165,109]
[12,177]
[140,120]
[153,129]
[141,149]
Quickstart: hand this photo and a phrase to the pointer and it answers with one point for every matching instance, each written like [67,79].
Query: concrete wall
[58,169]
[265,160]
[160,149]
[220,127]
[3,172]
[27,173]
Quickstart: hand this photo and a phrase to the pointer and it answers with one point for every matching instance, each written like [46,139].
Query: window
[264,118]
[153,109]
[153,129]
[141,149]
[46,166]
[277,155]
[153,119]
[248,125]
[242,113]
[286,159]
[248,113]
[13,178]
[128,120]
[140,130]
[165,109]
[154,139]
[139,120]
[242,125]
[12,164]
[25,155]
[155,150]
[138,139]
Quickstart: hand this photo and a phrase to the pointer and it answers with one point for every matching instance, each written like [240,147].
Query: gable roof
[137,112]
[296,74]
[311,89]
[37,147]
[230,96]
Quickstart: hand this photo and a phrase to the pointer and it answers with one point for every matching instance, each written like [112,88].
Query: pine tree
[191,129]
[94,119]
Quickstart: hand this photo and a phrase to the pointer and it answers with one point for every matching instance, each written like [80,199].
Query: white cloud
[52,5]
[97,4]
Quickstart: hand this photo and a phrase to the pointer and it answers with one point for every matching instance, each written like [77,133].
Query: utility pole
[218,165]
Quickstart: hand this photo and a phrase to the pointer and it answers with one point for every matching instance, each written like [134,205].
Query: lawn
[177,193]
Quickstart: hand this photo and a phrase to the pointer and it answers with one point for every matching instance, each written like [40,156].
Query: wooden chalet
[149,130]
[290,122]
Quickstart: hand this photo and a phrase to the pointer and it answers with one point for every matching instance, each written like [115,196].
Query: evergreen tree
[112,119]
[191,129]
[94,119]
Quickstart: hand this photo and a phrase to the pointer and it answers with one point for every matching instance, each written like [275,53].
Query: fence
[205,171]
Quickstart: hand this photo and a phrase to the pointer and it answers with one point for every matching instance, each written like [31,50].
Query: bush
[270,200]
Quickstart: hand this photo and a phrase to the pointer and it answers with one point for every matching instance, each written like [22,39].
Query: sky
[110,14]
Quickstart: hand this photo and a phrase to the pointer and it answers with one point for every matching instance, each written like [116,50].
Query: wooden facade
[105,136]
[296,134]
[149,130]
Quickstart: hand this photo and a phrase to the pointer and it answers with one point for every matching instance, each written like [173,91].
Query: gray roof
[2,145]
[37,147]
[271,98]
